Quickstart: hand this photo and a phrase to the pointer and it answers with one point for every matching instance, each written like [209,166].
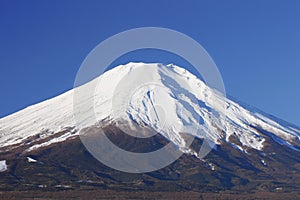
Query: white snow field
[164,97]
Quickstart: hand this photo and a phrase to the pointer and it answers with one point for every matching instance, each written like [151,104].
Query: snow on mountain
[3,166]
[175,99]
[31,160]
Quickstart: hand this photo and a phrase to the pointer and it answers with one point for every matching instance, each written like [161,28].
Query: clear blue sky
[255,44]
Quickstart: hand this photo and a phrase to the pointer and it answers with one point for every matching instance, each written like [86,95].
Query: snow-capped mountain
[40,146]
[165,98]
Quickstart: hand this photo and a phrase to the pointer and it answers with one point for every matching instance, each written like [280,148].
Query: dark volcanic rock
[68,166]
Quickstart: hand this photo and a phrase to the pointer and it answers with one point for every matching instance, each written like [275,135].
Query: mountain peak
[167,98]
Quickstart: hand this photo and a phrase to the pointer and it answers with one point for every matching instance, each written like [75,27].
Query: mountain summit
[166,98]
[171,101]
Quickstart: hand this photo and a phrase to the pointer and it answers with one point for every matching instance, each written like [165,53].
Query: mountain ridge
[55,114]
[42,148]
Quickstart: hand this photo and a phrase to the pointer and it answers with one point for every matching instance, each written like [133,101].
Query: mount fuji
[252,150]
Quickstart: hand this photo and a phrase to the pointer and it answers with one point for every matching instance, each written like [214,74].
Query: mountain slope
[253,151]
[175,99]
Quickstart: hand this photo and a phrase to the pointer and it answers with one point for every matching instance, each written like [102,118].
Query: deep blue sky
[255,45]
